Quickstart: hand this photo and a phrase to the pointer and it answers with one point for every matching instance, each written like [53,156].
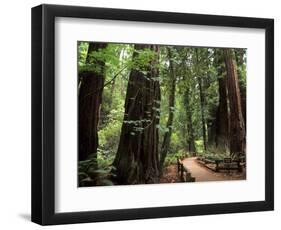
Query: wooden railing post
[181,168]
[217,165]
[178,164]
[239,166]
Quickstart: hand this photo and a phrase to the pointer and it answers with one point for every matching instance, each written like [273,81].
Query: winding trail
[202,173]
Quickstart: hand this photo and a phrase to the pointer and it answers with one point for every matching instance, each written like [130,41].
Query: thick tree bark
[172,92]
[212,126]
[137,158]
[237,129]
[243,104]
[222,111]
[222,117]
[240,62]
[90,97]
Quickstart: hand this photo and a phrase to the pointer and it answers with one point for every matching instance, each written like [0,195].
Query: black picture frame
[43,114]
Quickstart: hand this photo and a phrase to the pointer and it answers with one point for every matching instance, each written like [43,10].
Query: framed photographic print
[142,114]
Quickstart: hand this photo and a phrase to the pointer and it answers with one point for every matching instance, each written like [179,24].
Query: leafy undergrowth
[172,158]
[212,157]
[95,171]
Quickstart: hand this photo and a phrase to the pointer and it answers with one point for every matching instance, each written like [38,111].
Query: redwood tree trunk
[222,120]
[167,135]
[90,97]
[212,125]
[239,60]
[237,129]
[137,158]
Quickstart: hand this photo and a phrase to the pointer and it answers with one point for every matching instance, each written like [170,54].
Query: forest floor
[201,173]
[170,174]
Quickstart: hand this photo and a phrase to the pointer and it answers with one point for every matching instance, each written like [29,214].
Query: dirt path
[202,173]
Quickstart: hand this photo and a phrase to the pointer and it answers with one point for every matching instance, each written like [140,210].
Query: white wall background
[15,120]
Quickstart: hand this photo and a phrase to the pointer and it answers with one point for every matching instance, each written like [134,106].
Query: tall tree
[90,98]
[212,125]
[222,115]
[171,102]
[222,121]
[190,130]
[241,70]
[237,129]
[202,99]
[137,158]
[186,85]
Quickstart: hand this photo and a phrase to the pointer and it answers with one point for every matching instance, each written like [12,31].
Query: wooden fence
[183,172]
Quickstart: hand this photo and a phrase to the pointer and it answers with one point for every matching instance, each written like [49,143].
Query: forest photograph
[152,114]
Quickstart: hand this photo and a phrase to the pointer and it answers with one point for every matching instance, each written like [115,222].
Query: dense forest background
[141,107]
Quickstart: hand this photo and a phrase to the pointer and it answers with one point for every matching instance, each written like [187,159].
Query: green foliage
[109,135]
[105,159]
[199,146]
[143,59]
[214,153]
[213,157]
[176,144]
[82,52]
[190,65]
[171,159]
[95,171]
